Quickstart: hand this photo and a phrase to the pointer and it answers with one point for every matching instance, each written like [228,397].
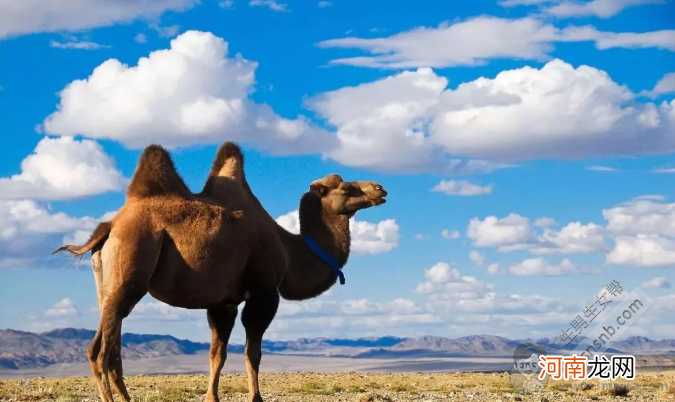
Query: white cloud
[140,38]
[383,129]
[450,234]
[594,8]
[539,266]
[81,45]
[410,122]
[544,222]
[642,251]
[324,4]
[271,4]
[29,232]
[652,197]
[571,239]
[601,169]
[514,232]
[477,257]
[158,311]
[189,94]
[476,40]
[33,16]
[659,282]
[421,236]
[666,85]
[557,111]
[441,273]
[461,188]
[63,308]
[367,237]
[513,3]
[448,283]
[63,168]
[226,4]
[373,238]
[664,39]
[468,42]
[493,232]
[641,216]
[494,269]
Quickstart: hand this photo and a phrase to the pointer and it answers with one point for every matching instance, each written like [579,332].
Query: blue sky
[480,118]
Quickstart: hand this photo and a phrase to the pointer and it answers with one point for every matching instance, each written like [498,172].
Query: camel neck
[308,275]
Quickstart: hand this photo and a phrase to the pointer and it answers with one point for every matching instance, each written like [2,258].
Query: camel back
[156,175]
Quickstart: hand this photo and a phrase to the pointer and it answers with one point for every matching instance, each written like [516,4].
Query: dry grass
[338,387]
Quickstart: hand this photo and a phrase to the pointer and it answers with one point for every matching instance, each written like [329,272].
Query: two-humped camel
[213,251]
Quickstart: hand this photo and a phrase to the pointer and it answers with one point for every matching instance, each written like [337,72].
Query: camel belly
[199,273]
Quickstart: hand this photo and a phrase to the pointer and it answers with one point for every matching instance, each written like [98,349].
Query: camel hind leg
[129,267]
[116,374]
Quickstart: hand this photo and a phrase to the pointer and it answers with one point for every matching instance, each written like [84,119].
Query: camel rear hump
[156,175]
[229,162]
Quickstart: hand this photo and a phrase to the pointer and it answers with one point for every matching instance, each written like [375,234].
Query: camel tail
[100,235]
[156,175]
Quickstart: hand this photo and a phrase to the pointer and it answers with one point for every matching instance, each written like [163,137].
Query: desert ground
[351,386]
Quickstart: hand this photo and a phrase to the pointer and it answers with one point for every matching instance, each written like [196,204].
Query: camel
[213,250]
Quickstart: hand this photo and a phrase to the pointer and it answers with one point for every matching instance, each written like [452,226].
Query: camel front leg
[221,322]
[256,316]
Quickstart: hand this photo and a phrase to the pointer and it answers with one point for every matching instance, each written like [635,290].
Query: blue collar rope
[325,257]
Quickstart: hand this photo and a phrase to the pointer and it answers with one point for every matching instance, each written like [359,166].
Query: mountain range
[26,350]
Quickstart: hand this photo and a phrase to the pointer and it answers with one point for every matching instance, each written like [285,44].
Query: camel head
[345,197]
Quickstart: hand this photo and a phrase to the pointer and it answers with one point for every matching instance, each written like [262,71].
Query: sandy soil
[353,386]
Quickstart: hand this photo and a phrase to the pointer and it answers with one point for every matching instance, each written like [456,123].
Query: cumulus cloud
[544,222]
[495,232]
[461,188]
[79,45]
[594,8]
[514,232]
[33,16]
[192,93]
[476,40]
[367,237]
[271,4]
[450,234]
[557,111]
[477,258]
[660,282]
[539,266]
[642,251]
[63,168]
[29,232]
[447,280]
[665,85]
[63,308]
[641,216]
[571,239]
[494,269]
[158,311]
[412,122]
[601,169]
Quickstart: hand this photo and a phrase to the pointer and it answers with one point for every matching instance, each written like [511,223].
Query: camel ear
[319,189]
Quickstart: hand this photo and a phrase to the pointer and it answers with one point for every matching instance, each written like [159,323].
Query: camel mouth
[379,200]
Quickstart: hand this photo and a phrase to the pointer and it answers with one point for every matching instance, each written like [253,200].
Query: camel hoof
[211,398]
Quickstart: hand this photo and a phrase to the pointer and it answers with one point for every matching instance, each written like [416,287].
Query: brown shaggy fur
[213,251]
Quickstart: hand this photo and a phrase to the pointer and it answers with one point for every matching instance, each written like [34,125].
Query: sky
[526,147]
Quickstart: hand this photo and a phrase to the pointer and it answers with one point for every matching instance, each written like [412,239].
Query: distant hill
[26,350]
